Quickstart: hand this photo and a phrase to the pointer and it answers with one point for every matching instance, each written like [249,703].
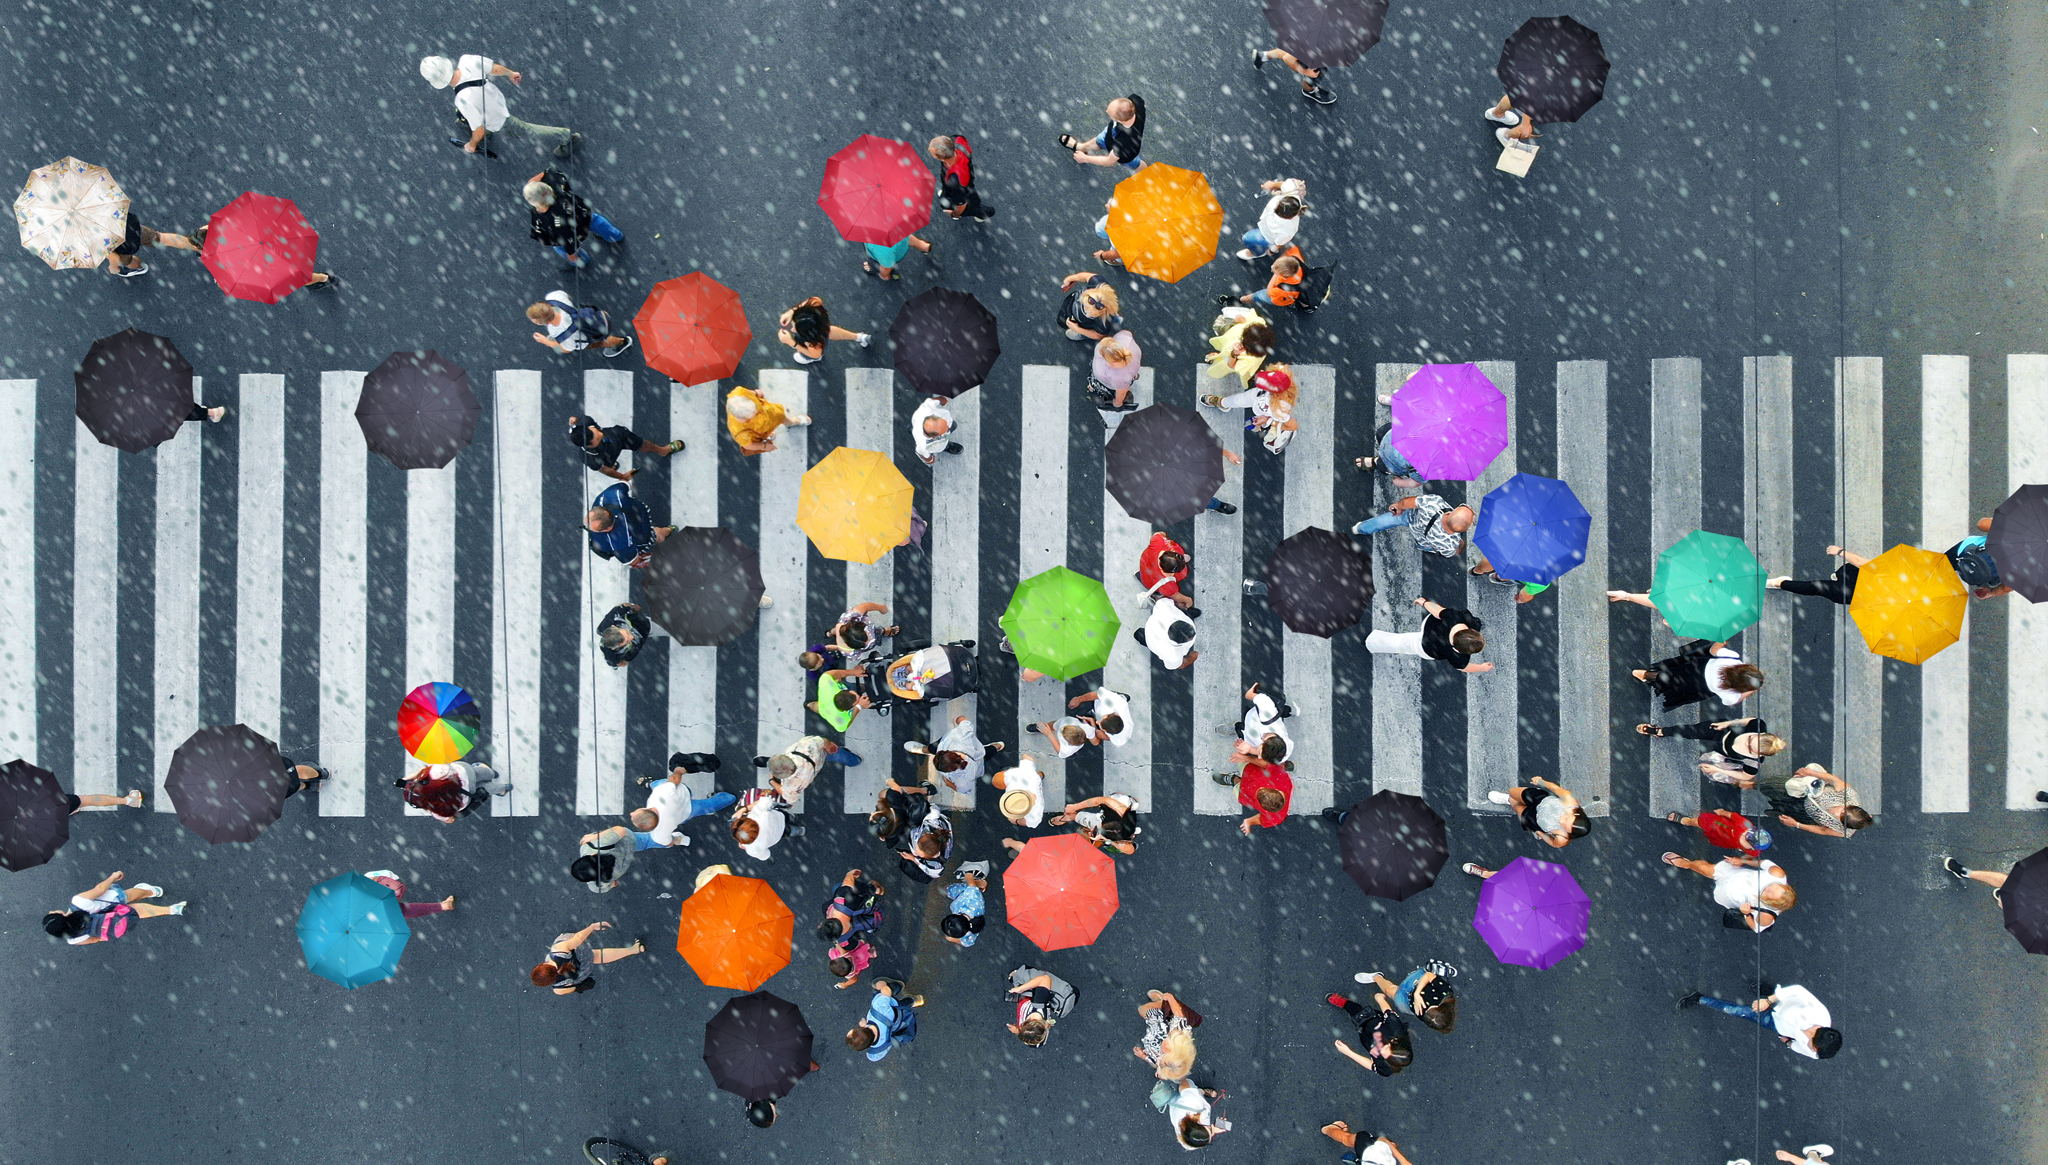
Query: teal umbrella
[1708,586]
[352,931]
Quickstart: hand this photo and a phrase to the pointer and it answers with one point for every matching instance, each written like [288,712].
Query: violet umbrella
[1532,913]
[1450,422]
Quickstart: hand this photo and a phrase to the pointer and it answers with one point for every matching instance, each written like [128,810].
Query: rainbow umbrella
[438,722]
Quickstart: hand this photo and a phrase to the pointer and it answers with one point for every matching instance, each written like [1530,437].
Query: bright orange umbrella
[1909,603]
[1061,891]
[855,505]
[692,329]
[1165,222]
[735,932]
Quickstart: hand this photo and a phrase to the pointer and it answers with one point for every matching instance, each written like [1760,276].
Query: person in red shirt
[1727,829]
[1263,788]
[1163,569]
[957,195]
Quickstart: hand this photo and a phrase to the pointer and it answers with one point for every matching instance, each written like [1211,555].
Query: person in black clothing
[562,219]
[602,445]
[1309,74]
[1450,634]
[1119,142]
[622,633]
[1382,1033]
[1837,588]
[957,195]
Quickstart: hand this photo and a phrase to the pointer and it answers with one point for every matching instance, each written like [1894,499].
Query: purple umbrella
[1532,913]
[1450,422]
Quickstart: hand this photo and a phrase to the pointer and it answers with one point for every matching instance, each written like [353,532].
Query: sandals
[1365,463]
[1674,817]
[1671,859]
[133,799]
[1069,142]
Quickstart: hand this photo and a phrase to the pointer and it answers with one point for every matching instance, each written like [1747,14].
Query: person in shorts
[102,913]
[125,260]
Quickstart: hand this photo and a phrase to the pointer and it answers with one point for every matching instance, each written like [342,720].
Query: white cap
[437,70]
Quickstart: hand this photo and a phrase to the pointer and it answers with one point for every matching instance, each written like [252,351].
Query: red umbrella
[876,191]
[693,329]
[260,247]
[1061,891]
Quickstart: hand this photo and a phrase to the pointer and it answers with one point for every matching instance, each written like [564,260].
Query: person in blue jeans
[1119,142]
[891,1020]
[562,219]
[670,805]
[1437,526]
[1388,460]
[621,527]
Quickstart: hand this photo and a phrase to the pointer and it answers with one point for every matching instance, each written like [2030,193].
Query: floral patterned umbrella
[71,213]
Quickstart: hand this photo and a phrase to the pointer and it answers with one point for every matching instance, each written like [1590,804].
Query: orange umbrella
[692,329]
[1061,891]
[735,932]
[1909,603]
[855,505]
[1165,222]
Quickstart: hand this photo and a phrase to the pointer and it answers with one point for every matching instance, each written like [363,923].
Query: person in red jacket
[1263,788]
[957,195]
[1727,829]
[1163,571]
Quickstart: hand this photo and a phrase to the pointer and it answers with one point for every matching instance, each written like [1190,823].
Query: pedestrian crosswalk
[331,583]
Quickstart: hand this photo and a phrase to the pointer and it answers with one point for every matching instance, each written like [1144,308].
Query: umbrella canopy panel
[260,247]
[133,390]
[944,342]
[417,410]
[757,1046]
[71,213]
[1554,68]
[1392,844]
[1165,222]
[1326,34]
[703,585]
[1061,622]
[855,505]
[693,329]
[2019,542]
[352,931]
[1909,604]
[1450,421]
[876,190]
[1318,582]
[735,932]
[35,819]
[1533,529]
[228,784]
[1060,891]
[1163,464]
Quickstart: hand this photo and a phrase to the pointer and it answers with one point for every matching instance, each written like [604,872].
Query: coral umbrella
[855,505]
[692,329]
[1909,604]
[1450,421]
[71,213]
[876,190]
[734,932]
[1708,586]
[1533,914]
[1060,891]
[259,247]
[1165,222]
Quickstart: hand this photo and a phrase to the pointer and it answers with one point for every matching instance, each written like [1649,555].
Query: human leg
[705,806]
[1381,642]
[1390,458]
[1240,400]
[1761,1019]
[552,137]
[489,780]
[1379,523]
[1703,730]
[1703,869]
[1255,243]
[421,909]
[603,228]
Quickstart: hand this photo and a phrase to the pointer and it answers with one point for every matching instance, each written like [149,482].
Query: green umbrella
[1708,586]
[1061,623]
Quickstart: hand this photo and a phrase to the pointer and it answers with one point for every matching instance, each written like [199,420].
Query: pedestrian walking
[1168,1045]
[1381,1032]
[410,910]
[1163,571]
[1283,283]
[622,633]
[1451,634]
[318,279]
[1121,141]
[1995,879]
[1546,809]
[567,326]
[792,770]
[1738,747]
[1023,789]
[1517,129]
[760,823]
[1169,634]
[959,759]
[132,799]
[1366,1148]
[104,912]
[1265,788]
[1424,993]
[1791,1013]
[891,1020]
[1387,460]
[967,904]
[1726,829]
[670,805]
[1973,564]
[957,195]
[1272,398]
[855,907]
[1113,373]
[481,104]
[621,527]
[1752,892]
[760,1113]
[807,327]
[452,790]
[1109,822]
[564,971]
[1190,1111]
[561,219]
[1309,74]
[752,420]
[1813,800]
[603,857]
[1437,526]
[1279,221]
[1262,730]
[1701,669]
[1088,308]
[927,846]
[861,637]
[931,430]
[602,445]
[1240,341]
[125,259]
[1113,723]
[1068,735]
[1039,999]
[848,958]
[1810,1155]
[898,808]
[881,260]
[1838,588]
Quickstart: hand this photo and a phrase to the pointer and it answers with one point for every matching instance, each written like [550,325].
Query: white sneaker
[154,891]
[800,358]
[766,602]
[1246,255]
[1819,1151]
[1498,797]
[863,339]
[798,421]
[1366,977]
[177,908]
[1739,1161]
[679,839]
[1387,399]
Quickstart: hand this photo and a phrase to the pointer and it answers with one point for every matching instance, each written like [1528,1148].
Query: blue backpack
[1973,562]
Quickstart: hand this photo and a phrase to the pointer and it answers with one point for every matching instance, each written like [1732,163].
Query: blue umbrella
[1532,529]
[352,931]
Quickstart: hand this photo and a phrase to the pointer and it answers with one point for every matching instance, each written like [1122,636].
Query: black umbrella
[1163,464]
[1318,582]
[757,1046]
[1392,844]
[227,784]
[35,820]
[134,390]
[1326,33]
[945,342]
[417,410]
[1554,68]
[703,585]
[2024,898]
[2019,541]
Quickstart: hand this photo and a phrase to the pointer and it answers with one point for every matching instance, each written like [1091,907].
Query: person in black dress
[1701,669]
[1837,588]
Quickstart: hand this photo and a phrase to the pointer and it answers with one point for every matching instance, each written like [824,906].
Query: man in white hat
[482,105]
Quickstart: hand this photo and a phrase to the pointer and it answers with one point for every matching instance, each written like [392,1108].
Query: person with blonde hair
[1738,749]
[1089,311]
[1756,890]
[1113,374]
[752,420]
[1169,1041]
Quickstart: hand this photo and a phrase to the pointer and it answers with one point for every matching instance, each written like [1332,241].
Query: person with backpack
[1169,634]
[855,907]
[891,1020]
[1121,141]
[1366,1148]
[1974,565]
[571,327]
[561,219]
[563,970]
[481,104]
[1039,1000]
[603,445]
[452,790]
[967,899]
[621,527]
[1283,286]
[103,913]
[957,195]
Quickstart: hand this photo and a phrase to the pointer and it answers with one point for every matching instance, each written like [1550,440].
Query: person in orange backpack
[1283,289]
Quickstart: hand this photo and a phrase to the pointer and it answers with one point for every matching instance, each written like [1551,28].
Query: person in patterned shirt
[1437,526]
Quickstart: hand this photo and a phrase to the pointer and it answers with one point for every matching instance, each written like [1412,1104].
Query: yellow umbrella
[1909,603]
[71,213]
[1165,222]
[855,505]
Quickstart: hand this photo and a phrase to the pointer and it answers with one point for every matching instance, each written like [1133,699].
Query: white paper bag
[1516,159]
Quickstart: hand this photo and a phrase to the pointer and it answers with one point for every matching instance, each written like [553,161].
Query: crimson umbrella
[133,390]
[944,341]
[259,247]
[417,410]
[876,190]
[692,329]
[1060,891]
[35,819]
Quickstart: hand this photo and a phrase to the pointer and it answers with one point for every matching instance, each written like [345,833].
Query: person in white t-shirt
[1759,890]
[931,430]
[481,104]
[1366,1149]
[959,758]
[763,821]
[1279,221]
[1068,735]
[1192,1115]
[1262,734]
[1517,129]
[75,925]
[1791,1013]
[1112,720]
[1169,634]
[1023,789]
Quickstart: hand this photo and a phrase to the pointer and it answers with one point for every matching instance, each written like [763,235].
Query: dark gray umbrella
[417,410]
[1392,844]
[757,1046]
[1326,34]
[1318,582]
[134,390]
[2019,541]
[1163,464]
[944,342]
[35,819]
[228,784]
[1554,68]
[703,585]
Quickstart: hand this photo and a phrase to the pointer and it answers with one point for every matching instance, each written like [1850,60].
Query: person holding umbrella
[563,970]
[1451,634]
[1517,130]
[1310,90]
[102,913]
[891,1020]
[125,260]
[602,445]
[881,261]
[561,220]
[410,910]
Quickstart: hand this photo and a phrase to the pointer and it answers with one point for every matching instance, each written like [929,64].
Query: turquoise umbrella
[352,931]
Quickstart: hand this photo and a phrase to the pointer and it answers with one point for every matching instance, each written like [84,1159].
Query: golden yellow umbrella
[1909,603]
[855,505]
[1165,222]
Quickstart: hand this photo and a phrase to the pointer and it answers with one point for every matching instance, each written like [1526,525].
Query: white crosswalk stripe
[1493,755]
[1859,525]
[1584,674]
[344,596]
[176,651]
[1218,568]
[601,688]
[95,658]
[1041,545]
[18,633]
[783,549]
[516,589]
[1944,516]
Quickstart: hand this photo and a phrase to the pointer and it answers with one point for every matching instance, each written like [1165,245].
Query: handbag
[1516,160]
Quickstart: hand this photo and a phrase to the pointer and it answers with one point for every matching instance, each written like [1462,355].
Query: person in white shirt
[1517,130]
[761,823]
[1193,1117]
[931,430]
[958,759]
[482,104]
[1169,634]
[1279,222]
[1791,1013]
[566,327]
[75,926]
[1112,720]
[1023,789]
[1757,889]
[1366,1149]
[1068,735]
[1265,720]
